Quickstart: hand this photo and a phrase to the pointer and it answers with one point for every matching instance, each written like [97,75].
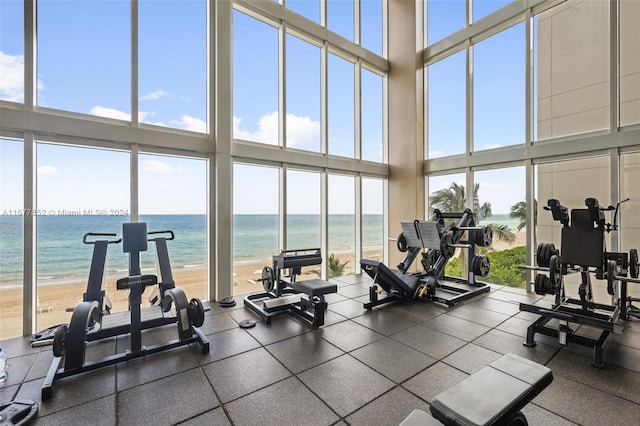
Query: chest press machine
[284,294]
[436,242]
[584,252]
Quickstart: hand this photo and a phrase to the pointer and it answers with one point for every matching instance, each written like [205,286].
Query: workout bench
[492,396]
[283,293]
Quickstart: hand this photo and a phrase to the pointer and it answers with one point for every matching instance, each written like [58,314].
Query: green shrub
[504,267]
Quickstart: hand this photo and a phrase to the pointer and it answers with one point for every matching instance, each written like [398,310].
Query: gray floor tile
[585,405]
[348,335]
[239,315]
[457,327]
[612,380]
[495,305]
[504,343]
[334,298]
[354,290]
[152,367]
[241,374]
[471,358]
[435,379]
[217,323]
[345,384]
[511,297]
[429,341]
[537,416]
[387,321]
[393,359]
[71,391]
[8,393]
[348,308]
[143,404]
[281,327]
[225,344]
[516,326]
[420,309]
[18,368]
[389,409]
[354,279]
[99,412]
[303,352]
[289,399]
[215,417]
[478,315]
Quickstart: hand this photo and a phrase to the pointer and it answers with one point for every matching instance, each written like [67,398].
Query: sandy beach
[55,299]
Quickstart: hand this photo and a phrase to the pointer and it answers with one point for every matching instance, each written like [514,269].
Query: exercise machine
[283,293]
[91,321]
[436,242]
[583,251]
[505,387]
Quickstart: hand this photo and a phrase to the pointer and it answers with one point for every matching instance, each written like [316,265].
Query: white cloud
[301,131]
[47,170]
[158,166]
[115,113]
[187,122]
[12,77]
[156,94]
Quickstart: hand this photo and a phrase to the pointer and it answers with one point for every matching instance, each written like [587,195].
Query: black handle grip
[100,234]
[172,236]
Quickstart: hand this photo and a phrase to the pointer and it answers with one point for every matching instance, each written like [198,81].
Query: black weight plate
[485,236]
[546,254]
[633,263]
[484,266]
[268,278]
[402,243]
[611,273]
[539,253]
[195,312]
[548,286]
[59,339]
[539,284]
[227,302]
[555,271]
[446,246]
[247,323]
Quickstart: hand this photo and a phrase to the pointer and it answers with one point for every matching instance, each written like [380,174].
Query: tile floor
[361,368]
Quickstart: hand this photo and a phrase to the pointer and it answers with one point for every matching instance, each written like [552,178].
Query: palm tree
[334,267]
[453,199]
[519,211]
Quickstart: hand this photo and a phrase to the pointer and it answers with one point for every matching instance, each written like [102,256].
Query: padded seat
[493,394]
[314,287]
[389,280]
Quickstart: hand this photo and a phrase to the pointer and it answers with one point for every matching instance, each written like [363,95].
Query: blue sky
[90,74]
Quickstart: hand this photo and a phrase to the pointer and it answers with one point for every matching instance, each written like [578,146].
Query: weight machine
[437,243]
[92,321]
[283,293]
[584,252]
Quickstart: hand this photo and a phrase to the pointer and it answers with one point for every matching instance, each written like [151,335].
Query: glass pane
[310,9]
[629,220]
[447,194]
[444,17]
[499,119]
[12,51]
[173,64]
[342,226]
[572,69]
[373,219]
[303,210]
[629,64]
[341,98]
[255,224]
[482,8]
[500,199]
[255,80]
[92,73]
[11,243]
[340,17]
[446,94]
[560,181]
[183,181]
[372,116]
[72,189]
[371,25]
[303,95]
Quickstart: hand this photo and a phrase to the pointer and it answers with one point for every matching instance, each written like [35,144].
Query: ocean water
[62,257]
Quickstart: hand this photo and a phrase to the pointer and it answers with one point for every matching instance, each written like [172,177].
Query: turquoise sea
[62,257]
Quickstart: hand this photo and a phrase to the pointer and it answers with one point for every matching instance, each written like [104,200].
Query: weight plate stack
[633,263]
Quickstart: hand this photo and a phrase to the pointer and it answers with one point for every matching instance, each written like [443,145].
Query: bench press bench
[492,396]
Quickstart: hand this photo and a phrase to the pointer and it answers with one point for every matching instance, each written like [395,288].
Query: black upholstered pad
[493,394]
[314,287]
[389,280]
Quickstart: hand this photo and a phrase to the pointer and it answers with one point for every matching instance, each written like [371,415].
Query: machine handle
[100,234]
[172,236]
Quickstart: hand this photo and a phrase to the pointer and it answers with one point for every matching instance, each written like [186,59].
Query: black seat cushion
[314,287]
